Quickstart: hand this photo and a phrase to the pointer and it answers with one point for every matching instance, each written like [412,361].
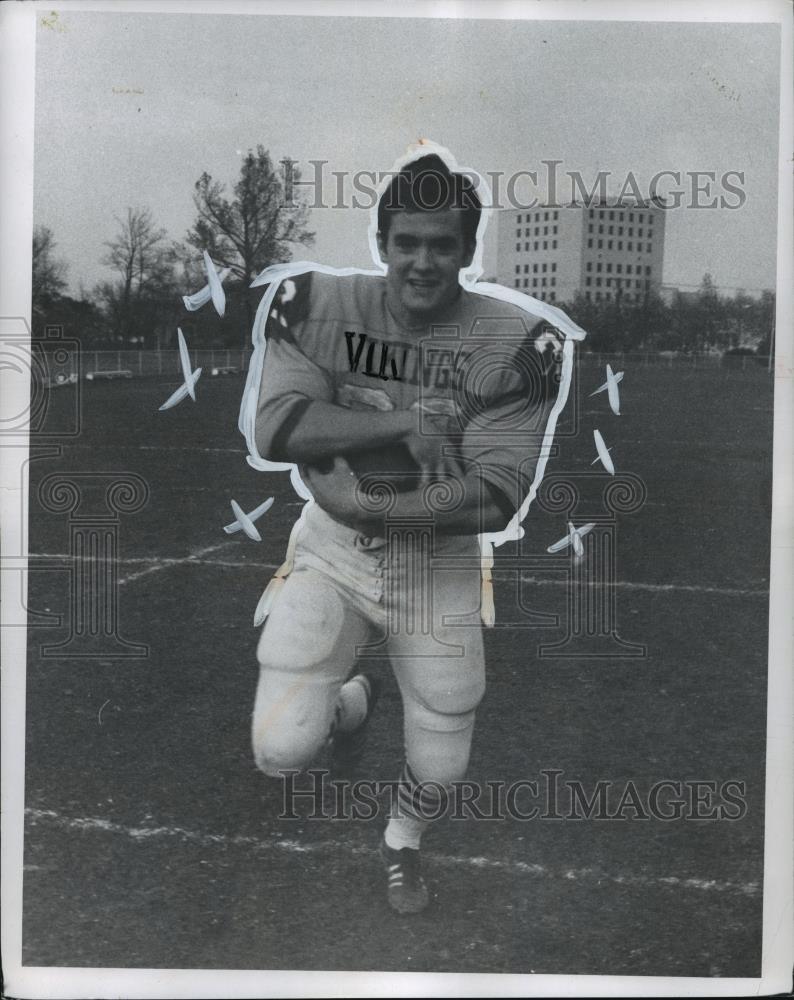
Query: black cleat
[348,747]
[406,889]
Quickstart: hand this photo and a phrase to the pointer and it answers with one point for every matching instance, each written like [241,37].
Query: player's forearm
[474,509]
[325,430]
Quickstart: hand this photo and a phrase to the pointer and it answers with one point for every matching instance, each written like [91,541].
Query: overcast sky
[131,108]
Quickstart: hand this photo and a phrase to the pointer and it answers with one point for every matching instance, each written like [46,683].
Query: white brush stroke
[603,453]
[611,386]
[203,295]
[574,537]
[217,293]
[245,522]
[188,387]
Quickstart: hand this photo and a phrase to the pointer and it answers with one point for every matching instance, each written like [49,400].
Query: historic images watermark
[549,795]
[550,186]
[48,417]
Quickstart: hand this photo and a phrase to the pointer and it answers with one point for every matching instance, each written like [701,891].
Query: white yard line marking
[194,557]
[287,846]
[163,562]
[661,588]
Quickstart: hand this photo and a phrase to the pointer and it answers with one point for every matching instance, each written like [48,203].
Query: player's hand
[427,451]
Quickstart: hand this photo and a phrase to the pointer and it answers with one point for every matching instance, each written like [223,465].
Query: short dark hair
[428,185]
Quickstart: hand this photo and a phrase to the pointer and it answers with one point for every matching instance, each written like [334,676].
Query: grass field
[152,841]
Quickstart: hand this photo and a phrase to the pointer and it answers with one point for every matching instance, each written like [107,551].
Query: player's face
[424,252]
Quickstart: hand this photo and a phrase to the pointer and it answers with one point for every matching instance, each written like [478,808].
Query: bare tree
[144,261]
[49,273]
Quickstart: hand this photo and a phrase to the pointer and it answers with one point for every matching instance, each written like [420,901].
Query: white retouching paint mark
[245,522]
[611,386]
[469,276]
[574,537]
[203,295]
[188,387]
[95,824]
[603,453]
[99,713]
[217,293]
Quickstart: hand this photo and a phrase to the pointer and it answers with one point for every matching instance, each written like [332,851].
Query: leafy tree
[254,228]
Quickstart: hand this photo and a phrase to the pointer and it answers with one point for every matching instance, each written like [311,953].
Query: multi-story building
[602,251]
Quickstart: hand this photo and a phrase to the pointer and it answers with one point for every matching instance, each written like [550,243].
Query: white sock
[404,831]
[351,709]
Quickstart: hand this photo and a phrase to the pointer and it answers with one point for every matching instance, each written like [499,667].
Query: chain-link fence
[221,361]
[130,364]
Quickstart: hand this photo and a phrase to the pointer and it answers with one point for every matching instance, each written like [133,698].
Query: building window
[608,282]
[552,280]
[648,271]
[526,268]
[518,246]
[588,280]
[536,245]
[600,244]
[611,230]
[611,216]
[552,296]
[638,284]
[631,230]
[648,247]
[534,268]
[537,231]
[600,229]
[608,296]
[554,230]
[609,244]
[640,218]
[589,266]
[519,217]
[543,282]
[591,213]
[545,230]
[598,296]
[639,232]
[631,216]
[590,244]
[587,296]
[609,268]
[620,230]
[556,216]
[619,268]
[545,244]
[518,268]
[620,244]
[629,246]
[553,244]
[545,216]
[517,282]
[628,268]
[599,265]
[598,282]
[518,232]
[553,266]
[543,267]
[590,227]
[526,282]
